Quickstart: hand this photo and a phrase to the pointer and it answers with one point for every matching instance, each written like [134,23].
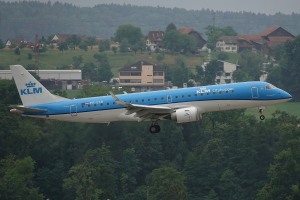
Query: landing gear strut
[154,128]
[261,117]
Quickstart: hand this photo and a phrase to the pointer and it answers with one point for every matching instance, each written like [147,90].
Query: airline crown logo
[30,84]
[31,89]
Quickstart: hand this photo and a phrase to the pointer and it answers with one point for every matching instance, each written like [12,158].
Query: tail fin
[30,90]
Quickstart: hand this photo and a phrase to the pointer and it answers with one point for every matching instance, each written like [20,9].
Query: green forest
[230,155]
[226,155]
[24,19]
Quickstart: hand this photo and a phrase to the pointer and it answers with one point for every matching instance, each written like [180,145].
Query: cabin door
[169,98]
[73,110]
[254,91]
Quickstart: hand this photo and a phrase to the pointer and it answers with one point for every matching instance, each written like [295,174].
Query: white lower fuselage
[106,116]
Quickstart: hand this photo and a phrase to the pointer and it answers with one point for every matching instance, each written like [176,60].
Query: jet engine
[183,115]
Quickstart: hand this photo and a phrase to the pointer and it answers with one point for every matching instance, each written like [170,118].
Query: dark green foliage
[214,33]
[129,32]
[227,155]
[17,51]
[103,20]
[2,45]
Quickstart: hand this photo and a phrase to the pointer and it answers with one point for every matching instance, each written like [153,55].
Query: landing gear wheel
[154,129]
[262,117]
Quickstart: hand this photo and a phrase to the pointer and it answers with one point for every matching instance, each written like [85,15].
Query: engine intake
[183,115]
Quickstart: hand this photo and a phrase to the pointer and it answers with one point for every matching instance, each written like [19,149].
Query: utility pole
[36,51]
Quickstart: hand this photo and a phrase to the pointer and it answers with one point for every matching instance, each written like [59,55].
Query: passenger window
[136,101]
[155,99]
[195,94]
[182,96]
[107,104]
[220,92]
[189,95]
[162,98]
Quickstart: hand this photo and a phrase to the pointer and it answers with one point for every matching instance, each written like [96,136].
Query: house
[227,72]
[142,76]
[233,44]
[227,44]
[11,43]
[264,42]
[59,38]
[200,41]
[154,40]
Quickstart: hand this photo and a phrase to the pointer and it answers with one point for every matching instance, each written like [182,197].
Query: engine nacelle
[184,115]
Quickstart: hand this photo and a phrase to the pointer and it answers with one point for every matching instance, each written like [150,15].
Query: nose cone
[286,95]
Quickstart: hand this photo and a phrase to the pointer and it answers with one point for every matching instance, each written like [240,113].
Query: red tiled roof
[269,30]
[251,37]
[185,30]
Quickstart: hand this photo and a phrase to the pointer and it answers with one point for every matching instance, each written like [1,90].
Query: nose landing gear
[261,117]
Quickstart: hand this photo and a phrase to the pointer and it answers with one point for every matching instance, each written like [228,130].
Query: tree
[2,45]
[77,61]
[104,71]
[284,177]
[290,76]
[179,73]
[17,51]
[166,183]
[130,33]
[212,69]
[16,179]
[104,45]
[171,27]
[251,67]
[63,46]
[94,178]
[81,179]
[214,33]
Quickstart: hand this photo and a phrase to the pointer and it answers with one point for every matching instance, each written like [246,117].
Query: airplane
[180,105]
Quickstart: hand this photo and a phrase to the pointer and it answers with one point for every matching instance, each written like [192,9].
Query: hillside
[25,19]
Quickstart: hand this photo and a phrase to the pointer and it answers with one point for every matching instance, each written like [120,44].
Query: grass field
[292,108]
[53,58]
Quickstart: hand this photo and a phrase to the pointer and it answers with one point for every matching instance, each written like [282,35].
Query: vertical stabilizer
[31,91]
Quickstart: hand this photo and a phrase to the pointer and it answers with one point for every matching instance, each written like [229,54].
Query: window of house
[158,73]
[227,80]
[124,73]
[158,80]
[136,73]
[227,74]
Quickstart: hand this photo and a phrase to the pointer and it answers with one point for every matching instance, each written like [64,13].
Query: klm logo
[31,89]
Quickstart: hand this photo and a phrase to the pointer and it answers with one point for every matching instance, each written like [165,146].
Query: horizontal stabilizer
[26,109]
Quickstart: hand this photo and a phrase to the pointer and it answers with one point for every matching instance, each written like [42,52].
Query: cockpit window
[270,86]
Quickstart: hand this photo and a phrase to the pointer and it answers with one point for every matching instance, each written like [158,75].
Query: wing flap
[144,111]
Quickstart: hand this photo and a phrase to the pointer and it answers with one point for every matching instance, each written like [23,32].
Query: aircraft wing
[144,111]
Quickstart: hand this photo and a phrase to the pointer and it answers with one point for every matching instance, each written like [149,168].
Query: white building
[65,79]
[226,76]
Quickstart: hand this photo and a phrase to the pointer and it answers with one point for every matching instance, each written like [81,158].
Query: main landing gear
[261,117]
[154,128]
